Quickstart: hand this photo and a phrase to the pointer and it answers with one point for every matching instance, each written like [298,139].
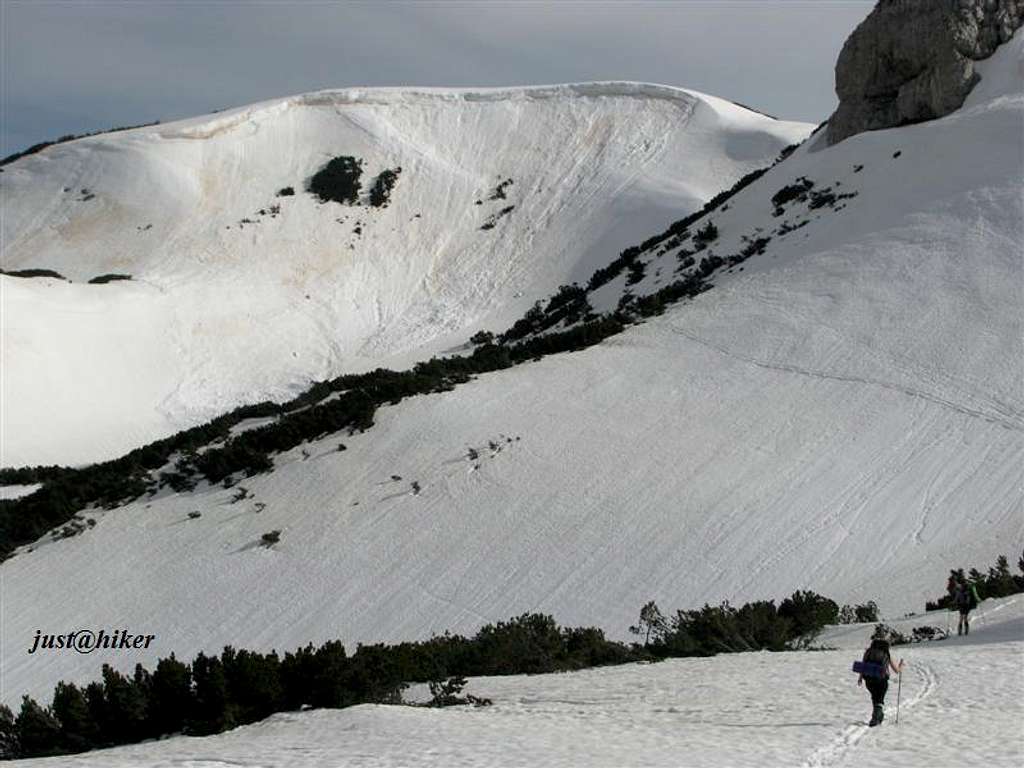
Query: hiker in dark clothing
[878,654]
[966,600]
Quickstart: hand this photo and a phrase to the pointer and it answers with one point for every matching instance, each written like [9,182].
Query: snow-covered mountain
[843,411]
[239,295]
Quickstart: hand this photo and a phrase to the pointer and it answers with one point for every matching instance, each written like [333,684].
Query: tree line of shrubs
[109,484]
[214,693]
[679,228]
[569,304]
[999,581]
[793,623]
[68,137]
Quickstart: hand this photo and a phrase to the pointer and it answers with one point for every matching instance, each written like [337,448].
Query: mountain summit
[191,269]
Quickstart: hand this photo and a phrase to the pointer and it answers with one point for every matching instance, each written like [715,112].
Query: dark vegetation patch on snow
[69,137]
[270,538]
[494,218]
[338,181]
[568,305]
[678,229]
[33,273]
[635,272]
[707,234]
[108,278]
[499,192]
[795,191]
[380,192]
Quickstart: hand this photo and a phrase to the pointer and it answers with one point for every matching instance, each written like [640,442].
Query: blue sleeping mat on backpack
[869,669]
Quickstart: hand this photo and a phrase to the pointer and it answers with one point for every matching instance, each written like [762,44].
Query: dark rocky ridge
[913,60]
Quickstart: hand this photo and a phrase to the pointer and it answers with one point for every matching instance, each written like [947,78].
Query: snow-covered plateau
[843,411]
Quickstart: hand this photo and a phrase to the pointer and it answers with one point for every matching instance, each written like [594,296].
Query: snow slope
[221,312]
[845,415]
[961,702]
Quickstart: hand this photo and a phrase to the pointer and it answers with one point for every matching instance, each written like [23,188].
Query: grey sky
[77,66]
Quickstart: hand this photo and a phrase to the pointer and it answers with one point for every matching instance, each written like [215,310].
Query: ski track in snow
[1010,418]
[838,751]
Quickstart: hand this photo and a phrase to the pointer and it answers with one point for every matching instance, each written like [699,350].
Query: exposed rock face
[913,60]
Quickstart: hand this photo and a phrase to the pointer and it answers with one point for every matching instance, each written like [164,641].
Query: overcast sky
[78,66]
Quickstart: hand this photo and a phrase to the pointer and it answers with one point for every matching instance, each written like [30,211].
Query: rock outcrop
[913,60]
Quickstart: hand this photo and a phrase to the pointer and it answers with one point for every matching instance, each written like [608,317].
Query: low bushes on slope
[108,278]
[380,192]
[33,273]
[998,582]
[723,628]
[628,256]
[214,693]
[111,483]
[114,482]
[69,137]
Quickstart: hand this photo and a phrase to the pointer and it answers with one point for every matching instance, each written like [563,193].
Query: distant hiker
[966,600]
[878,656]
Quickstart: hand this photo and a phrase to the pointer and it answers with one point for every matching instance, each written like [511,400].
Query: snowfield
[842,412]
[961,703]
[221,312]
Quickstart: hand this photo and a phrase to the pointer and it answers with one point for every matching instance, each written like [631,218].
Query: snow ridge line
[222,122]
[1016,424]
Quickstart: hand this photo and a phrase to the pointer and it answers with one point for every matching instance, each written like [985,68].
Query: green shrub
[338,180]
[380,192]
[101,279]
[33,273]
[795,191]
[707,234]
[270,538]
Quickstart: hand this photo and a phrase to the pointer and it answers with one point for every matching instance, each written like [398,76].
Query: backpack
[879,656]
[963,597]
[967,597]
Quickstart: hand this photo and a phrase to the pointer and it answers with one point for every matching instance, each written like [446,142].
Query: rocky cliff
[913,60]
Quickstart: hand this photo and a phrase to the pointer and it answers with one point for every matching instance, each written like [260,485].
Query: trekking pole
[899,689]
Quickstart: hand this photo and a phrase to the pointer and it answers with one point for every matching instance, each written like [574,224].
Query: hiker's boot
[881,714]
[967,629]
